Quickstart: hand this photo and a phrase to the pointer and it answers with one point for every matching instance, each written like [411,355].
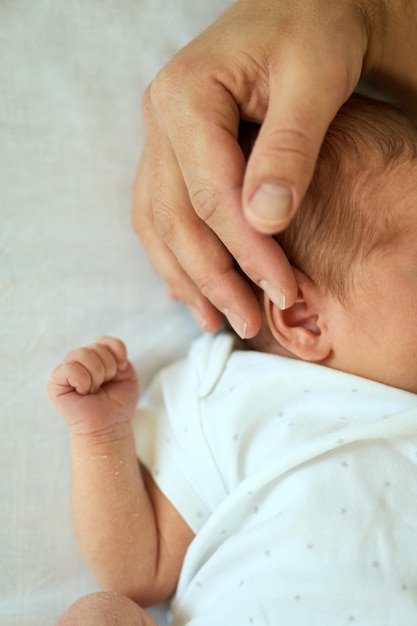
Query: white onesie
[299,481]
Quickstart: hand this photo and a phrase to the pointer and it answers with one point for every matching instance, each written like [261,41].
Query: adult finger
[180,285]
[282,163]
[199,251]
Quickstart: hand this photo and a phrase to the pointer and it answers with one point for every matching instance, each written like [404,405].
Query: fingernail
[122,365]
[272,203]
[238,324]
[277,296]
[198,316]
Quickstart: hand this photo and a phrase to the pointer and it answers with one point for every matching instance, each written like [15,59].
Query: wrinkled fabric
[299,481]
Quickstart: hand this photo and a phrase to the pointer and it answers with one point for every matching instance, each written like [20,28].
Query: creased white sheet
[71,79]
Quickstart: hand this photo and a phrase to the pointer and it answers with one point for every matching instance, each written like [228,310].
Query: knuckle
[141,215]
[143,226]
[207,286]
[115,348]
[146,101]
[107,340]
[245,263]
[100,349]
[168,85]
[140,224]
[204,201]
[290,141]
[78,354]
[285,153]
[210,283]
[165,224]
[342,78]
[87,357]
[103,339]
[161,91]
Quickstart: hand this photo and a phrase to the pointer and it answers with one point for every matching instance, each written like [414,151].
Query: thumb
[283,159]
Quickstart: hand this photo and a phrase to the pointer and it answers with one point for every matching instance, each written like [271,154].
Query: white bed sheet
[71,79]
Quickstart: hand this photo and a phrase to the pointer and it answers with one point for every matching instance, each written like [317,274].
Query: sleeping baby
[277,481]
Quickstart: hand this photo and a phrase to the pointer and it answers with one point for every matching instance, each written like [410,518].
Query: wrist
[114,434]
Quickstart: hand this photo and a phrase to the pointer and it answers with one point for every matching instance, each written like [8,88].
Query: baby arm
[131,536]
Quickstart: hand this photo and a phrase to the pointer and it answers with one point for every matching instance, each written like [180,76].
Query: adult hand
[287,64]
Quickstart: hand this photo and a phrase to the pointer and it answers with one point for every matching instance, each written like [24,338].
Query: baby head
[353,246]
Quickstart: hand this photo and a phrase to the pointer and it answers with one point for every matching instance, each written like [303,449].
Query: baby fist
[95,388]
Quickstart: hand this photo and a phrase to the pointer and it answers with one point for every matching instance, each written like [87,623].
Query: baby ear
[301,329]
